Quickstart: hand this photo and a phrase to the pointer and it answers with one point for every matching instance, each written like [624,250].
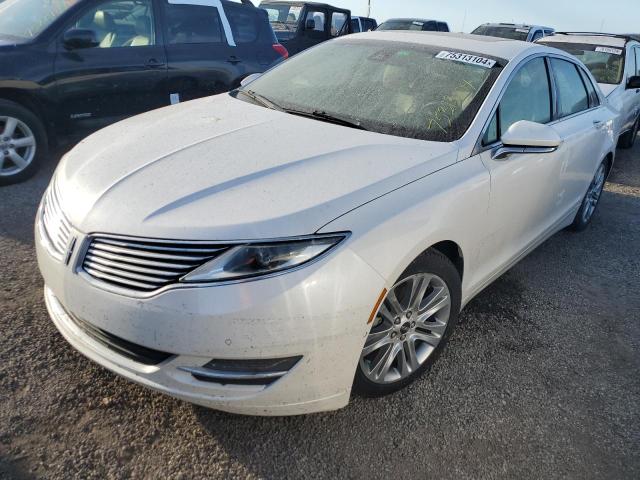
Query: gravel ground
[540,381]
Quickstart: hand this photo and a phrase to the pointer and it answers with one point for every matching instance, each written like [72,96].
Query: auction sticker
[614,51]
[466,58]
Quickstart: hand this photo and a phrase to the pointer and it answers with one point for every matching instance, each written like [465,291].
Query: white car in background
[265,251]
[614,61]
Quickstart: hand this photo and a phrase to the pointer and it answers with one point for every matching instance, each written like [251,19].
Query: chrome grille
[144,265]
[55,226]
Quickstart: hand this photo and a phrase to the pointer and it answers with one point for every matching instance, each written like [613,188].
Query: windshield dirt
[606,64]
[511,33]
[393,88]
[26,19]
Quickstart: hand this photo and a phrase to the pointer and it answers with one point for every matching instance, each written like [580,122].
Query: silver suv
[512,31]
[614,61]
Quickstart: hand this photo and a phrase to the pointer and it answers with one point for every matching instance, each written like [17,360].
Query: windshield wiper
[326,117]
[264,101]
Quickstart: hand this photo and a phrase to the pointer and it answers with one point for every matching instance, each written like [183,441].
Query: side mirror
[78,38]
[310,25]
[249,78]
[527,137]
[633,82]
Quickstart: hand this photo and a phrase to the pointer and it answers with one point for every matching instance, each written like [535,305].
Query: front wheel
[591,199]
[411,327]
[23,143]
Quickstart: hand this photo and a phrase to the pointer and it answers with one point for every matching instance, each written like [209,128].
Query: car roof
[494,46]
[516,25]
[611,40]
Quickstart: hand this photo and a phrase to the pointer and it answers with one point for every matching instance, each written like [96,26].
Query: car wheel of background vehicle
[629,139]
[411,327]
[23,143]
[591,199]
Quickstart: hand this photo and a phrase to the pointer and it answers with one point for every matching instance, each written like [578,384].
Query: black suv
[73,66]
[301,25]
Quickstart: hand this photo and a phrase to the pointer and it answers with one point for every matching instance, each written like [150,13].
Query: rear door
[124,75]
[581,124]
[202,56]
[314,28]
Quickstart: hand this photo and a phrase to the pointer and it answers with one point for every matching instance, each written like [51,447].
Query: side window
[355,25]
[572,95]
[318,18]
[120,23]
[442,27]
[430,26]
[243,23]
[537,35]
[193,24]
[594,100]
[338,21]
[528,97]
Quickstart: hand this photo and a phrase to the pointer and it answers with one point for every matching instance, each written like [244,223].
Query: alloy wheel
[409,325]
[17,146]
[593,194]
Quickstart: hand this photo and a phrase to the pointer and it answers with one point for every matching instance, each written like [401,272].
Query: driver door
[524,187]
[125,74]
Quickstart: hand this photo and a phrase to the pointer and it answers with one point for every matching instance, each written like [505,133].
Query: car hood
[223,169]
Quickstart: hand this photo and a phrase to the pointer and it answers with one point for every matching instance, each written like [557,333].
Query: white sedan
[317,231]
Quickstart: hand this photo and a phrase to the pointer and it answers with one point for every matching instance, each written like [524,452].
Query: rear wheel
[629,139]
[411,327]
[591,199]
[23,143]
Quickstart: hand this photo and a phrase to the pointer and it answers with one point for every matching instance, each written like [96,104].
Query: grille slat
[146,254]
[123,273]
[130,268]
[55,225]
[145,265]
[137,261]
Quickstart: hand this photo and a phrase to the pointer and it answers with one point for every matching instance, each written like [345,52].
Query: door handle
[153,63]
[233,59]
[598,123]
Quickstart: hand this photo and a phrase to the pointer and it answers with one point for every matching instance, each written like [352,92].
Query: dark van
[301,25]
[73,66]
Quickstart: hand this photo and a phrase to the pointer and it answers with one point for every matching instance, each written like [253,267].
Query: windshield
[26,19]
[394,88]
[512,33]
[283,17]
[402,25]
[606,64]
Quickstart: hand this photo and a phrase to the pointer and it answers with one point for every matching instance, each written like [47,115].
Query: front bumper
[319,312]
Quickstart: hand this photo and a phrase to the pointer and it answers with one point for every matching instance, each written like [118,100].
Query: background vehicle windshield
[283,17]
[394,88]
[26,19]
[402,25]
[512,33]
[606,64]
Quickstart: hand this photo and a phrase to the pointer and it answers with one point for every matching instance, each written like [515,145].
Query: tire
[591,199]
[24,125]
[443,280]
[628,140]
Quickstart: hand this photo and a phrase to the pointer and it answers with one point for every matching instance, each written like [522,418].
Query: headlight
[252,260]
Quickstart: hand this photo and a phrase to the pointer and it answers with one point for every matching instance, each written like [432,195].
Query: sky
[613,16]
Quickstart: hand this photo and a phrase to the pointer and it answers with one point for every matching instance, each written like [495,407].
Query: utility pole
[369,9]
